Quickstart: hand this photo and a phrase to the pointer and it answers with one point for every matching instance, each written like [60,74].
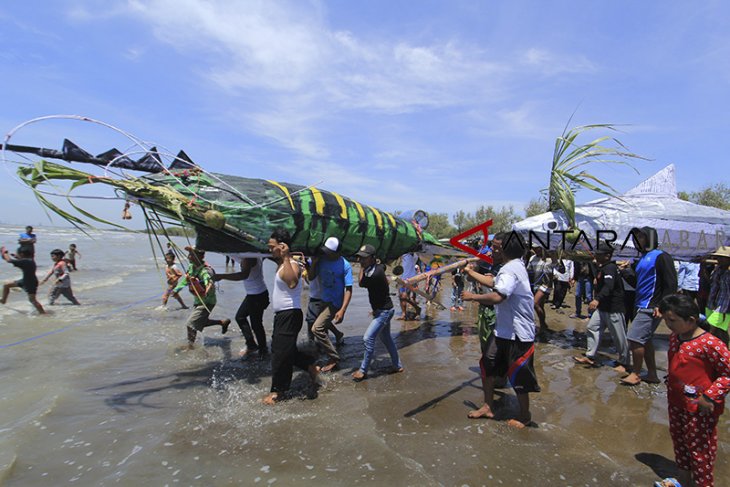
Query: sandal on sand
[358,375]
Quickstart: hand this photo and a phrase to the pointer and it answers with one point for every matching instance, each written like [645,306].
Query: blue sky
[421,104]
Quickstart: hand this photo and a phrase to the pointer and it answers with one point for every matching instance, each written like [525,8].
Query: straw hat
[723,251]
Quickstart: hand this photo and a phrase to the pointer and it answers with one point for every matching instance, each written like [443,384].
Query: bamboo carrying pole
[441,270]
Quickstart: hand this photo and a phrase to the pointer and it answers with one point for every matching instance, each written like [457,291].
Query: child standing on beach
[29,282]
[70,257]
[62,286]
[173,273]
[697,382]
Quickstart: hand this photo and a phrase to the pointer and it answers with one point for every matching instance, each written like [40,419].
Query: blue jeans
[583,289]
[379,326]
[456,295]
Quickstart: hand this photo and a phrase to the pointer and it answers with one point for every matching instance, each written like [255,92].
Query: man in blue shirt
[27,241]
[335,279]
[655,278]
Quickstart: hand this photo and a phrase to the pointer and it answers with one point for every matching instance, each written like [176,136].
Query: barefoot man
[511,347]
[288,318]
[655,278]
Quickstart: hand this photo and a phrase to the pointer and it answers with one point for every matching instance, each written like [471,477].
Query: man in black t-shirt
[609,304]
[373,278]
[29,282]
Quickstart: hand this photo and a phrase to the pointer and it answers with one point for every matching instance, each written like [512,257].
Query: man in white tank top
[253,305]
[288,319]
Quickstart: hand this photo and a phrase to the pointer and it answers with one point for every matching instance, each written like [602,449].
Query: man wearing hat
[654,277]
[201,286]
[335,279]
[373,278]
[718,301]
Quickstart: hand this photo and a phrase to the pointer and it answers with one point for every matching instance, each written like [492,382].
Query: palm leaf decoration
[569,166]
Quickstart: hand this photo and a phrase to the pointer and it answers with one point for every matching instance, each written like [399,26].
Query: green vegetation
[568,173]
[439,226]
[715,195]
[536,206]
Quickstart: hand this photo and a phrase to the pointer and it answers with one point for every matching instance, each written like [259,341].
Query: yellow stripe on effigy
[284,190]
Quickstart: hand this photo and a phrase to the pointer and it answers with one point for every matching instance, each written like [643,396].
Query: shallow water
[105,399]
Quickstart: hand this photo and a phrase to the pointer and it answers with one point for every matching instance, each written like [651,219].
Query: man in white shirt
[252,307]
[511,347]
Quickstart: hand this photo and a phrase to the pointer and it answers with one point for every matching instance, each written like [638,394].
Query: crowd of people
[630,299]
[512,293]
[330,280]
[698,377]
[24,259]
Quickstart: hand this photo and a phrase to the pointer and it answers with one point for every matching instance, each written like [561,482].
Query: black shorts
[30,288]
[514,359]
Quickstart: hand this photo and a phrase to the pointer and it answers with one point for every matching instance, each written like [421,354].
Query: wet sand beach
[106,399]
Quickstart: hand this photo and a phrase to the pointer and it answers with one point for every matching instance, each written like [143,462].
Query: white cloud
[286,74]
[550,63]
[286,48]
[134,53]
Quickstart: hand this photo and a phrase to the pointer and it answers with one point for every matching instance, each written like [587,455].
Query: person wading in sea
[288,318]
[252,307]
[335,278]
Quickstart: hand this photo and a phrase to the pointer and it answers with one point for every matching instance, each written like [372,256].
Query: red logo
[484,228]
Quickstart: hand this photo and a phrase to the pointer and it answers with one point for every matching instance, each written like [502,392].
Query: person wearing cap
[201,286]
[654,278]
[373,278]
[288,318]
[607,308]
[718,300]
[335,279]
